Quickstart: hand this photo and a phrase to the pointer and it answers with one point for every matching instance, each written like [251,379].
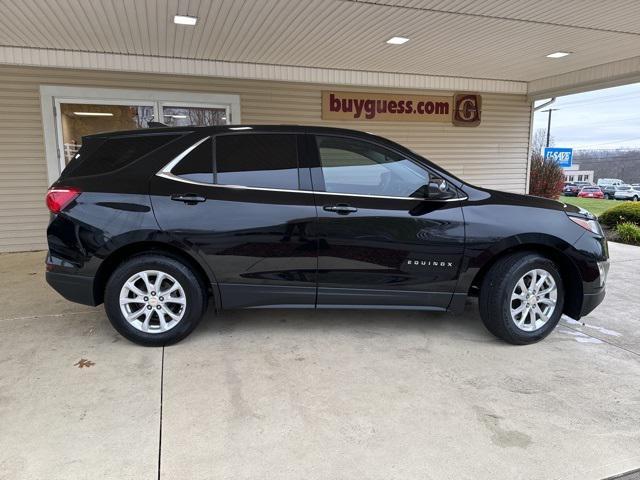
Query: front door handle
[340,209]
[188,198]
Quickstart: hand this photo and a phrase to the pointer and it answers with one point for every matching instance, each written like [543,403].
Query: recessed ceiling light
[176,116]
[397,40]
[93,114]
[184,20]
[240,128]
[558,54]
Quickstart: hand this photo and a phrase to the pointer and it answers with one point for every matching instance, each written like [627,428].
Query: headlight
[591,225]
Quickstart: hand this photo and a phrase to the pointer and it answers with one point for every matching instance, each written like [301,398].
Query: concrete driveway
[316,395]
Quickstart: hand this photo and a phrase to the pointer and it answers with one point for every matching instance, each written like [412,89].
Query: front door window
[363,168]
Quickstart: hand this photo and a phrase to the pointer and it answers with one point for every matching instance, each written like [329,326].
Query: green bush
[625,212]
[629,233]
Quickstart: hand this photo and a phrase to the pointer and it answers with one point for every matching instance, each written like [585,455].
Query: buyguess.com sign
[461,109]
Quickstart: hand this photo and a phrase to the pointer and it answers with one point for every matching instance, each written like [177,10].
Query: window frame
[52,95]
[310,177]
[318,175]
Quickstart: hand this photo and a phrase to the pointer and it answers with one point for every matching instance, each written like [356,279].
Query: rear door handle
[340,209]
[188,198]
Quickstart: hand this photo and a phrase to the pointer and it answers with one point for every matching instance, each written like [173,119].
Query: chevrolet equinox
[158,223]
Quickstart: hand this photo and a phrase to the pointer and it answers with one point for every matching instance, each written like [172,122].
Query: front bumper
[591,300]
[73,287]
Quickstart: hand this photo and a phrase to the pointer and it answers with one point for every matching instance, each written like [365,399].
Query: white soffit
[480,41]
[608,75]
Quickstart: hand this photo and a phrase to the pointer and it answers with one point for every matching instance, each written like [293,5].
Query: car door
[237,200]
[391,233]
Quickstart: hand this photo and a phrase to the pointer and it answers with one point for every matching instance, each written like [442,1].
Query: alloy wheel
[533,300]
[152,301]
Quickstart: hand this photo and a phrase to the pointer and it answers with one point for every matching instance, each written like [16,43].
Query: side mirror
[438,189]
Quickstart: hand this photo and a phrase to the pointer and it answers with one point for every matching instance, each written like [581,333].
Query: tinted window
[257,160]
[197,165]
[360,167]
[105,155]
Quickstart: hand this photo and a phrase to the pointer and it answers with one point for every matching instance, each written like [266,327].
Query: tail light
[58,198]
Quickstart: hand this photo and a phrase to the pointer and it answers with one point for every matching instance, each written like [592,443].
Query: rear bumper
[73,287]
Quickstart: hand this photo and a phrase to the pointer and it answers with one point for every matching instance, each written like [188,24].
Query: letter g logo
[467,108]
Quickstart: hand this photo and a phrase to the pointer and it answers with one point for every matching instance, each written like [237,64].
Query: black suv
[158,223]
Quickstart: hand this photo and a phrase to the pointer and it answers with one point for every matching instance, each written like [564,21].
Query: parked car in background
[626,192]
[636,186]
[591,192]
[609,191]
[605,182]
[158,223]
[583,184]
[570,189]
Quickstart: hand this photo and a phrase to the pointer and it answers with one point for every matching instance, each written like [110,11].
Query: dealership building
[453,80]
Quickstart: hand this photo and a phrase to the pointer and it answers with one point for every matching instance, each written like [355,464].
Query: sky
[608,118]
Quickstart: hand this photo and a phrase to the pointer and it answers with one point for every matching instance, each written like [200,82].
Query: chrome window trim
[165,172]
[171,165]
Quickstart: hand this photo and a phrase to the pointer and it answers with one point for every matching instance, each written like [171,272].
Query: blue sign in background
[564,156]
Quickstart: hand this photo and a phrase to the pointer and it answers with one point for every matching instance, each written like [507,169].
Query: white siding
[493,154]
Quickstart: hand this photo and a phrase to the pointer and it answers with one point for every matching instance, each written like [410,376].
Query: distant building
[574,174]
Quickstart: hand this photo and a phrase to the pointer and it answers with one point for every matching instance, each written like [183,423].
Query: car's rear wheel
[154,300]
[521,298]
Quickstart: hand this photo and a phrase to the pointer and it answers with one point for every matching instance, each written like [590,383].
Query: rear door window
[257,160]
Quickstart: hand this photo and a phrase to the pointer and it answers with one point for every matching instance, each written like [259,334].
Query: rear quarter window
[102,155]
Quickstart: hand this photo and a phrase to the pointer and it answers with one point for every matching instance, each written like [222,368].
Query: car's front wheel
[521,298]
[154,300]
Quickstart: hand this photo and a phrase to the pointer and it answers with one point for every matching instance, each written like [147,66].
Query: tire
[635,198]
[496,303]
[181,309]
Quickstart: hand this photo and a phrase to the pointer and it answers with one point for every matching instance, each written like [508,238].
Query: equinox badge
[429,263]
